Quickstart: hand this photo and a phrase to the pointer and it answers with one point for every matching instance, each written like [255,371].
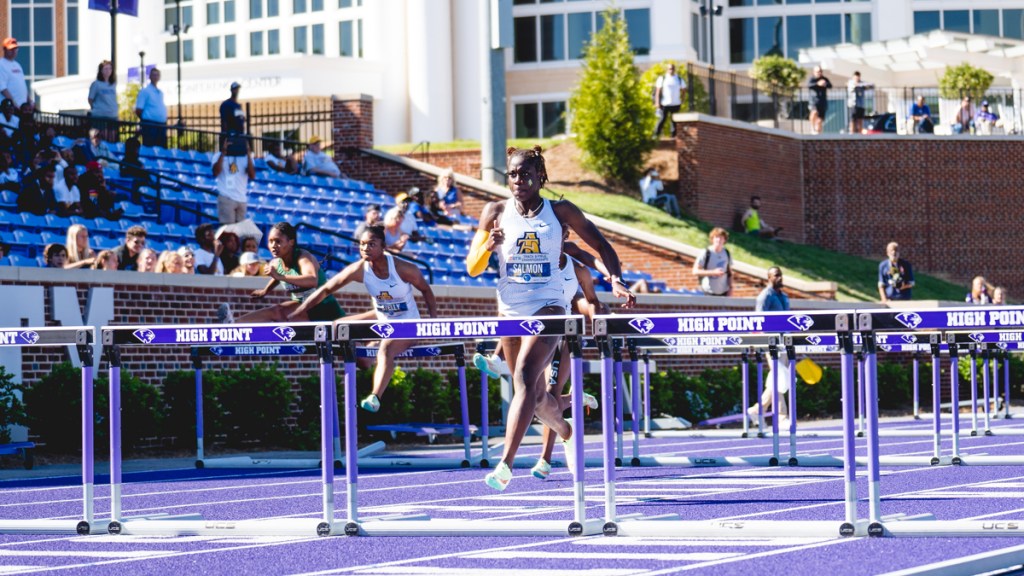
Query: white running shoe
[499,478]
[482,364]
[589,401]
[541,469]
[371,403]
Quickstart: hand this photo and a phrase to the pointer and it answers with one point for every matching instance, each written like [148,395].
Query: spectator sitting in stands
[249,244]
[921,117]
[371,217]
[316,162]
[207,258]
[415,207]
[56,255]
[188,260]
[964,120]
[9,177]
[9,119]
[98,199]
[651,188]
[979,292]
[229,252]
[106,260]
[131,166]
[128,253]
[395,238]
[985,119]
[999,296]
[248,265]
[169,262]
[69,200]
[451,198]
[37,194]
[146,260]
[278,161]
[94,149]
[436,209]
[409,225]
[77,245]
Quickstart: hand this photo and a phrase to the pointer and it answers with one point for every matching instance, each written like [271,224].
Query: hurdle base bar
[456,527]
[736,528]
[302,527]
[723,461]
[80,527]
[254,462]
[953,528]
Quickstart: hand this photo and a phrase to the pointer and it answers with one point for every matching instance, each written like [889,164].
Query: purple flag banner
[126,7]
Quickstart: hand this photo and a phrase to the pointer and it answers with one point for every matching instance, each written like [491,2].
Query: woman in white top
[390,282]
[528,285]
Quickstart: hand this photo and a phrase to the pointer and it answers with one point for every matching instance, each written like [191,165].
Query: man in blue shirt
[232,116]
[895,276]
[921,117]
[151,110]
[772,298]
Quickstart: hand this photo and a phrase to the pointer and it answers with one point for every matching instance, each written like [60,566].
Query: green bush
[179,390]
[964,80]
[142,411]
[256,403]
[53,406]
[775,72]
[12,411]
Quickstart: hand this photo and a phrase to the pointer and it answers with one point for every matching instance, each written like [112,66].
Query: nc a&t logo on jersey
[528,243]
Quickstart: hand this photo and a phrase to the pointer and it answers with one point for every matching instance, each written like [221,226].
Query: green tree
[611,114]
[778,72]
[126,102]
[964,80]
[12,411]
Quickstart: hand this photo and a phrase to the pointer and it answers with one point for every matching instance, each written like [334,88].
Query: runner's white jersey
[528,277]
[392,297]
[570,283]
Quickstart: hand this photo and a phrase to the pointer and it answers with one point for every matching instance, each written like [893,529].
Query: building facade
[420,59]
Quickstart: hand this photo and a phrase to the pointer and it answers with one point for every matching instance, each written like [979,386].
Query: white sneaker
[589,401]
[224,315]
[499,478]
[481,363]
[541,469]
[752,415]
[498,365]
[371,403]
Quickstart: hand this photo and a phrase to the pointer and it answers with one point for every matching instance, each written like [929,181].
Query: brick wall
[951,202]
[465,162]
[353,122]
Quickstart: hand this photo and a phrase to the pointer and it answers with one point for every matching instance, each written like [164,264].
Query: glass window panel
[768,2]
[300,40]
[171,52]
[552,37]
[741,2]
[345,35]
[188,51]
[273,8]
[1013,24]
[741,40]
[798,35]
[317,5]
[213,48]
[72,24]
[186,16]
[826,1]
[639,24]
[21,23]
[695,36]
[213,13]
[273,41]
[256,43]
[230,49]
[298,6]
[42,25]
[858,28]
[986,22]
[798,1]
[318,38]
[43,56]
[72,59]
[827,29]
[926,21]
[344,3]
[170,17]
[255,9]
[769,36]
[229,10]
[359,37]
[580,26]
[525,39]
[552,114]
[956,20]
[517,2]
[527,121]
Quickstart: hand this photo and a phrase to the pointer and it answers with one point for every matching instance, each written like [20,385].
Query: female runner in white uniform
[390,282]
[526,231]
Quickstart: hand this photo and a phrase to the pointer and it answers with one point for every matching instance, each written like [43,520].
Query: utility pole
[177,34]
[113,38]
[493,16]
[709,10]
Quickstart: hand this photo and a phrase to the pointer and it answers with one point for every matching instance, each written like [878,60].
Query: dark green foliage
[142,411]
[180,404]
[256,402]
[12,411]
[895,385]
[822,399]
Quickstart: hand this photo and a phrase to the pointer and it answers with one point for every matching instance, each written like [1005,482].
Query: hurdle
[947,321]
[115,338]
[82,338]
[840,323]
[571,327]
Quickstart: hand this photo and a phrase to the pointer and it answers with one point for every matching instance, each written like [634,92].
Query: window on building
[273,8]
[316,5]
[230,48]
[349,3]
[697,37]
[769,36]
[171,52]
[741,2]
[273,41]
[72,37]
[298,6]
[552,119]
[525,32]
[213,48]
[1013,24]
[33,26]
[256,43]
[188,51]
[539,120]
[858,27]
[580,27]
[798,35]
[213,13]
[229,10]
[300,40]
[255,9]
[346,38]
[956,20]
[926,21]
[741,40]
[318,38]
[552,37]
[359,37]
[828,29]
[171,13]
[638,22]
[986,22]
[527,121]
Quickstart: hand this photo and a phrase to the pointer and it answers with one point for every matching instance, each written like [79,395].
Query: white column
[466,69]
[385,44]
[429,36]
[671,31]
[892,19]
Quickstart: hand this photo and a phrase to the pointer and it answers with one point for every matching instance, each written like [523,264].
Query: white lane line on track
[638,556]
[449,571]
[698,542]
[88,553]
[19,568]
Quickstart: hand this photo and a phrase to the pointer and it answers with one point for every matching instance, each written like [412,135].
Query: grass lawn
[467,145]
[856,277]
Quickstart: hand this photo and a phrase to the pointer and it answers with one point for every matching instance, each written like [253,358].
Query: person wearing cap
[232,116]
[97,198]
[651,192]
[232,174]
[9,119]
[248,265]
[12,76]
[371,217]
[277,160]
[152,112]
[316,162]
[103,99]
[985,119]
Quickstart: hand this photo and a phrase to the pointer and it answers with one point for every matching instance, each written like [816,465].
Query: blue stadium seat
[20,260]
[62,142]
[8,200]
[116,148]
[54,222]
[32,222]
[52,238]
[28,243]
[179,154]
[133,211]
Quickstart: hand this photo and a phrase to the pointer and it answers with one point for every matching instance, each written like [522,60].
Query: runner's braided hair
[530,156]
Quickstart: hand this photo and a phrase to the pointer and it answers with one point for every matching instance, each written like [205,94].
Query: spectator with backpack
[714,267]
[668,98]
